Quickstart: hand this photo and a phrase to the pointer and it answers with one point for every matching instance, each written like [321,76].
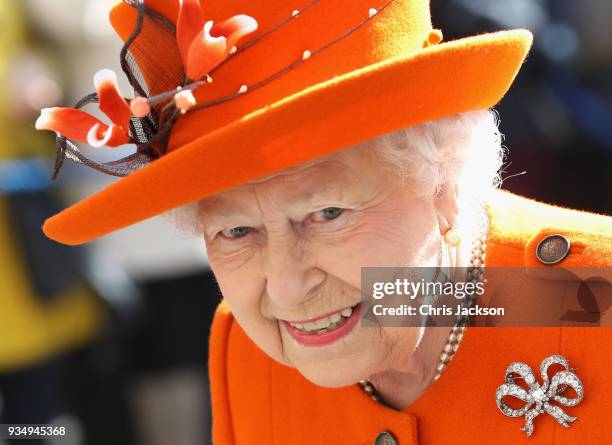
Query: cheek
[235,273]
[379,239]
[242,289]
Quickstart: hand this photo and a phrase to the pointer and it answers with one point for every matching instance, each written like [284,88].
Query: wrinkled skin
[281,249]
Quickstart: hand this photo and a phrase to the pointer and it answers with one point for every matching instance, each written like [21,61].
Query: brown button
[552,249]
[385,438]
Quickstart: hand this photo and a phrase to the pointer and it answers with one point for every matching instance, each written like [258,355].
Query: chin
[333,374]
[329,380]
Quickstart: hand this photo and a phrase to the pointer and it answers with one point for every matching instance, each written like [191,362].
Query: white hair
[464,149]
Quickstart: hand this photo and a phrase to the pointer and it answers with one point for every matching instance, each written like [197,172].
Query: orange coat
[256,400]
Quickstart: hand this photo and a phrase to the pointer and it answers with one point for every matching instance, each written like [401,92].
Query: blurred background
[557,117]
[111,339]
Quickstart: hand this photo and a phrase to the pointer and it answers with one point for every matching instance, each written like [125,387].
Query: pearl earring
[451,237]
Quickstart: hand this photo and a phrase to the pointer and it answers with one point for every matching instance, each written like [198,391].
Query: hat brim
[441,80]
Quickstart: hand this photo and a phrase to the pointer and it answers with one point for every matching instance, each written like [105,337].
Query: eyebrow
[222,208]
[313,195]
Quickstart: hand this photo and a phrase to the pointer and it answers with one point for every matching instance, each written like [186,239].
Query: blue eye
[236,232]
[328,214]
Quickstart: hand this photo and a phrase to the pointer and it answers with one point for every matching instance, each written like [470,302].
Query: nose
[291,273]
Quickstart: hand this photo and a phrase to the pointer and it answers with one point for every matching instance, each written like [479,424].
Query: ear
[446,206]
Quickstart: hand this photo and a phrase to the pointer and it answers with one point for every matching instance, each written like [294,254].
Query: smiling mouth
[324,324]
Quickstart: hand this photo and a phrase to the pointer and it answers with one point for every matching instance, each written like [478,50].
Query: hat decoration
[146,120]
[317,77]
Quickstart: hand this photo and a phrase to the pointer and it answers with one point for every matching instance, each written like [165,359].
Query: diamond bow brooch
[538,397]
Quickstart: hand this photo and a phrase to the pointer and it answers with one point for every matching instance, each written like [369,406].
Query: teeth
[310,326]
[324,324]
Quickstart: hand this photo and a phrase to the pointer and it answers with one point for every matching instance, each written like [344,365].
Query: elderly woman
[308,140]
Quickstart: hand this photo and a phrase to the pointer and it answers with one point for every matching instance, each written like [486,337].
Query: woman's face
[290,248]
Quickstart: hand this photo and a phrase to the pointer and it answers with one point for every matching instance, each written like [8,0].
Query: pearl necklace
[475,272]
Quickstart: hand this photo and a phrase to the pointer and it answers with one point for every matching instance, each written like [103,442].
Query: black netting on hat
[121,167]
[150,57]
[151,61]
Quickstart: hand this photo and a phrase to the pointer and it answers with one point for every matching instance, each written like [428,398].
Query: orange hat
[316,77]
